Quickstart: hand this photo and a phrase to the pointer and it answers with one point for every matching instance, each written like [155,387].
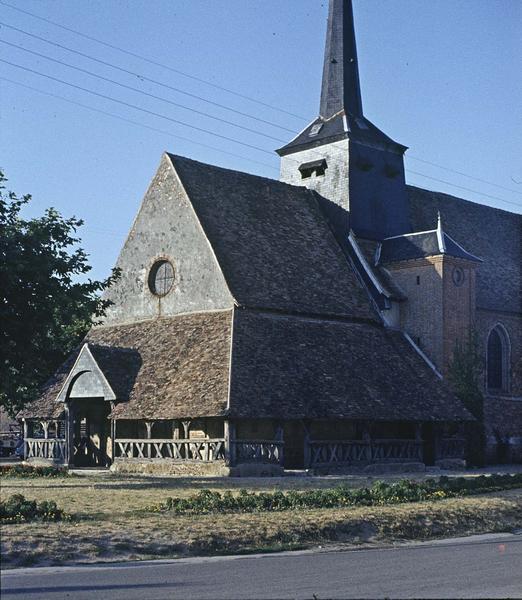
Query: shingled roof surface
[272,242]
[491,234]
[419,245]
[159,369]
[45,406]
[294,367]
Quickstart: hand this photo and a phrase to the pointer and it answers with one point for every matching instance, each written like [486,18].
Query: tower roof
[341,89]
[340,112]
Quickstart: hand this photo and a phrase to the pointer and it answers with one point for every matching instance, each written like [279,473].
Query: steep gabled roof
[491,234]
[272,243]
[294,367]
[164,368]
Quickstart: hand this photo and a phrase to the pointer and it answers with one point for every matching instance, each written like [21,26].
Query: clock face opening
[458,276]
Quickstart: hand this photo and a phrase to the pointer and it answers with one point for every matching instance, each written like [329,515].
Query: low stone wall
[451,464]
[43,462]
[373,468]
[257,470]
[170,467]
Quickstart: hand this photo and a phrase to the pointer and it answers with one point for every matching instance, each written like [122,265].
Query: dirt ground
[114,520]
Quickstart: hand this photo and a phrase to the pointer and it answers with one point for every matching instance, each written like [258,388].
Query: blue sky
[440,77]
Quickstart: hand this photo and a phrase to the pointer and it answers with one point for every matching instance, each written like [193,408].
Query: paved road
[482,567]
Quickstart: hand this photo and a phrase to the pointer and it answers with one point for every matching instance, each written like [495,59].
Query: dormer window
[315,166]
[316,128]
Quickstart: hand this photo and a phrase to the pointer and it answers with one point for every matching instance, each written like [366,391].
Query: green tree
[464,376]
[45,307]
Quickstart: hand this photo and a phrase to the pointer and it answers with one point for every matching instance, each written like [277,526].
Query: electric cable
[156,63]
[138,124]
[140,76]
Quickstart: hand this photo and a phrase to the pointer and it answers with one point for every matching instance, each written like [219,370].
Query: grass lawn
[113,524]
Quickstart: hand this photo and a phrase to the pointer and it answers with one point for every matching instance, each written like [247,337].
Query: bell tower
[352,164]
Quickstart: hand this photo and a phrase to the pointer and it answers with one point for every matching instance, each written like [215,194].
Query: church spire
[340,88]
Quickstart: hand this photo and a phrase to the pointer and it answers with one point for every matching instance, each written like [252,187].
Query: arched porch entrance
[90,432]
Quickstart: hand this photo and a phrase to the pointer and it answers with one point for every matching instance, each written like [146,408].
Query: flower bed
[379,494]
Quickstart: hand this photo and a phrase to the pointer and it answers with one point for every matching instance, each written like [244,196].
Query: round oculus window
[458,276]
[161,278]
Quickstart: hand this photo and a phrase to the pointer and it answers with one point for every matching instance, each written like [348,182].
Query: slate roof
[272,242]
[282,366]
[492,234]
[420,245]
[341,126]
[341,111]
[164,368]
[294,367]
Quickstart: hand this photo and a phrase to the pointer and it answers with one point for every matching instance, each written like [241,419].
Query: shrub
[379,494]
[17,509]
[33,471]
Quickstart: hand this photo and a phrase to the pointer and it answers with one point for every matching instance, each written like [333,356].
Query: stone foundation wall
[170,467]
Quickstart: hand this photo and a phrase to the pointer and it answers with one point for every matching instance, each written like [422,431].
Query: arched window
[498,360]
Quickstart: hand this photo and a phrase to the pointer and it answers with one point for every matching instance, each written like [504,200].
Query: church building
[306,323]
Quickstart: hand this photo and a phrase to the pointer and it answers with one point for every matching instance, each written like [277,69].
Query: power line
[502,187]
[462,187]
[133,89]
[221,136]
[153,62]
[226,137]
[142,77]
[138,124]
[128,104]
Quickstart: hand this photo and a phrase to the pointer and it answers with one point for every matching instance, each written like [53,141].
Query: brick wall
[459,305]
[422,313]
[503,411]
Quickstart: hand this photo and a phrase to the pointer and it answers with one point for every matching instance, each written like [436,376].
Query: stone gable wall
[166,227]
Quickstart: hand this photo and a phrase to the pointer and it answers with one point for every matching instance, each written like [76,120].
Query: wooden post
[113,439]
[186,429]
[437,443]
[230,436]
[367,440]
[26,435]
[45,425]
[418,439]
[149,425]
[69,435]
[175,429]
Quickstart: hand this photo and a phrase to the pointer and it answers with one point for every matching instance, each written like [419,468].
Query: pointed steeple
[341,89]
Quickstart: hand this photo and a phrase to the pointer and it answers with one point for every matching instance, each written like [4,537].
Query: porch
[316,445]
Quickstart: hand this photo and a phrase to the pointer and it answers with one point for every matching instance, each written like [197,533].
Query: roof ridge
[452,197]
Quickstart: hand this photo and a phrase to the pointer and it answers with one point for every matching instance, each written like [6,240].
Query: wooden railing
[451,448]
[260,451]
[346,452]
[46,448]
[197,450]
[396,450]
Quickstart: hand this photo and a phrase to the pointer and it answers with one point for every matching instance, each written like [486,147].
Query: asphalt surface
[480,567]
